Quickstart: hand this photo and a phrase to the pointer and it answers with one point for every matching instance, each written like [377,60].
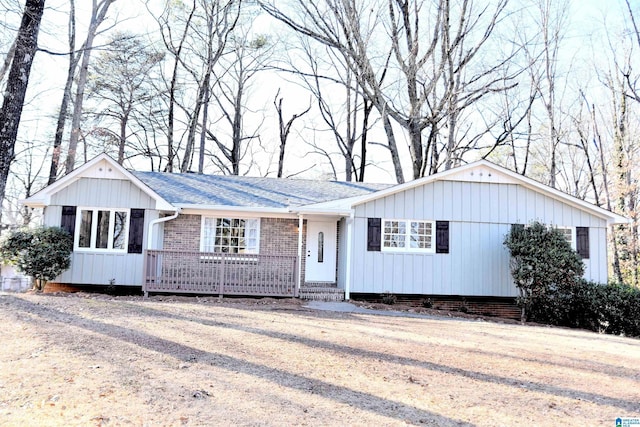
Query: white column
[347,270]
[300,227]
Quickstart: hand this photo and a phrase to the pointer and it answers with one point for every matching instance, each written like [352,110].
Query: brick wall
[183,233]
[278,236]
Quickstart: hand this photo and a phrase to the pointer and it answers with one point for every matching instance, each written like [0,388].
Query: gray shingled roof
[244,191]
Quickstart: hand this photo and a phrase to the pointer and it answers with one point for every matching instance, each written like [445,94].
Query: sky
[589,21]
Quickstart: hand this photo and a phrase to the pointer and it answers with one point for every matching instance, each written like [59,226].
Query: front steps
[327,292]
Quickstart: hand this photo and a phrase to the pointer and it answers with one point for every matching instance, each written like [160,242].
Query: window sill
[253,258]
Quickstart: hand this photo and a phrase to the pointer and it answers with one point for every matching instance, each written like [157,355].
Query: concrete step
[317,293]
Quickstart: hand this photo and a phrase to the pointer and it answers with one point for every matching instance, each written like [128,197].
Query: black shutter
[68,221]
[374,234]
[582,241]
[442,237]
[136,231]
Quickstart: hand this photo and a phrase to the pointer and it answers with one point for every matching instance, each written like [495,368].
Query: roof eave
[248,209]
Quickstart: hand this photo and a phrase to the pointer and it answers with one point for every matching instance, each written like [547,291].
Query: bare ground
[87,359]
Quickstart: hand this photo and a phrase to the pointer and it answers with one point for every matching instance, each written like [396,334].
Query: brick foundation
[486,306]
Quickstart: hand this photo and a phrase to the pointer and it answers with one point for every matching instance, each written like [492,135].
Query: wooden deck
[220,274]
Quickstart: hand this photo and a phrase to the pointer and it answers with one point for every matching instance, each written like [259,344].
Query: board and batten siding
[479,215]
[95,268]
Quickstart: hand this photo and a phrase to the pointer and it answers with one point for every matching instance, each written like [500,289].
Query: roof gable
[486,172]
[101,167]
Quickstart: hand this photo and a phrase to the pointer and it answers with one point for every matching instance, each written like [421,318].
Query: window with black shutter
[374,234]
[582,241]
[136,231]
[442,237]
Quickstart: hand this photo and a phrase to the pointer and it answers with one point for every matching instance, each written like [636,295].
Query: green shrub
[389,299]
[427,303]
[42,253]
[542,263]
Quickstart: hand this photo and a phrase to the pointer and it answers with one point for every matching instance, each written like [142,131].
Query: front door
[321,251]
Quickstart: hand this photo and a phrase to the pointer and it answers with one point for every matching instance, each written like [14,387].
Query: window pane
[119,230]
[421,234]
[84,240]
[102,236]
[394,235]
[320,247]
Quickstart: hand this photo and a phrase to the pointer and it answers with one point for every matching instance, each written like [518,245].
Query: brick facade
[183,233]
[278,236]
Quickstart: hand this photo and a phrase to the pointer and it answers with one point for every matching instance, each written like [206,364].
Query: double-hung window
[569,234]
[99,229]
[408,235]
[230,235]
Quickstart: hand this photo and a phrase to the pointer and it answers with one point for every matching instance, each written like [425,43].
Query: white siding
[89,268]
[103,193]
[479,215]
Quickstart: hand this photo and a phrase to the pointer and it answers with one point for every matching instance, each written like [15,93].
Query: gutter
[158,221]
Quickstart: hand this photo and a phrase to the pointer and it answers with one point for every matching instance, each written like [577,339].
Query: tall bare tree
[99,11]
[436,78]
[284,129]
[74,58]
[119,84]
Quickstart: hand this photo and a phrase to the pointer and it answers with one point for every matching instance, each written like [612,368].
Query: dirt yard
[80,359]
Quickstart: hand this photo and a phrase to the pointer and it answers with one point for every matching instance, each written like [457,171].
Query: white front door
[321,251]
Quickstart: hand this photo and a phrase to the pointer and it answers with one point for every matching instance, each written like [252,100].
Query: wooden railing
[220,274]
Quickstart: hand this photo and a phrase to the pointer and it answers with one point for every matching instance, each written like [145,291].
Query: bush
[542,263]
[42,253]
[427,303]
[389,299]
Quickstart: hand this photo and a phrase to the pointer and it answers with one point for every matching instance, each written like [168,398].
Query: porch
[174,271]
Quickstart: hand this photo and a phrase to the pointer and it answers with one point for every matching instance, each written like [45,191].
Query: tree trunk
[17,82]
[66,95]
[98,14]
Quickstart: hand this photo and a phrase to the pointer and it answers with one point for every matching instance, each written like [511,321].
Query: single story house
[441,235]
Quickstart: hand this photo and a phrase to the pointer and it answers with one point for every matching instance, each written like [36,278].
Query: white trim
[573,234]
[347,280]
[158,221]
[204,218]
[43,197]
[300,236]
[407,248]
[457,173]
[94,230]
[227,211]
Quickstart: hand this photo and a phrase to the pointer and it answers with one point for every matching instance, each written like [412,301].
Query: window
[230,235]
[101,229]
[408,235]
[569,234]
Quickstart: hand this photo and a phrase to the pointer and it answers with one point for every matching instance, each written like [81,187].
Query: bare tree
[16,89]
[284,129]
[119,83]
[435,77]
[98,16]
[74,58]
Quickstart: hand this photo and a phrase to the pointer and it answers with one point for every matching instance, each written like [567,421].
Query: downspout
[347,279]
[158,221]
[150,243]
